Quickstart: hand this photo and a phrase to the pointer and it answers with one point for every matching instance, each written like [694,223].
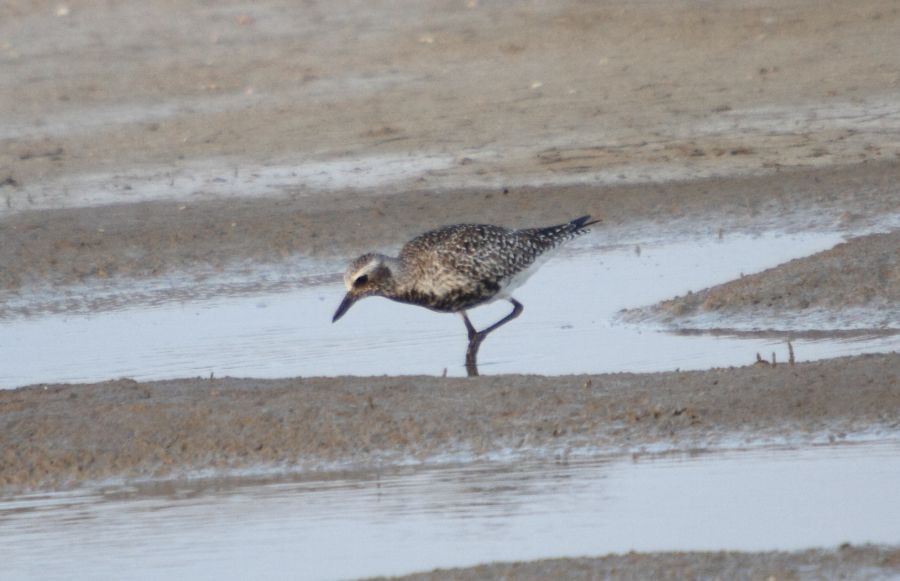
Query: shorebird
[458,267]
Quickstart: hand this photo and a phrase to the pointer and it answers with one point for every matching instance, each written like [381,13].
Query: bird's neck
[398,279]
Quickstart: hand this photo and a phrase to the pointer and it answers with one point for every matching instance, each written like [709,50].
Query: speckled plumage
[457,267]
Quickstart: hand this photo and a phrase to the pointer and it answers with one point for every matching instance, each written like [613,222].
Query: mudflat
[848,561]
[148,139]
[145,140]
[59,435]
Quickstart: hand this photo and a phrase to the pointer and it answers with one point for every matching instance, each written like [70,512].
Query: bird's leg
[472,352]
[469,326]
[476,337]
[517,310]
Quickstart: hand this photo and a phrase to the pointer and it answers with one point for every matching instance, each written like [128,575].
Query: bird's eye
[361,280]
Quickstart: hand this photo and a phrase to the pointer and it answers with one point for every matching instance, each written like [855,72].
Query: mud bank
[854,285]
[63,435]
[846,562]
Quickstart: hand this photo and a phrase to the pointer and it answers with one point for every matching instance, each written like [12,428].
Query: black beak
[348,301]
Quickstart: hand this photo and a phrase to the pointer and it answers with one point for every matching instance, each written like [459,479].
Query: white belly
[507,286]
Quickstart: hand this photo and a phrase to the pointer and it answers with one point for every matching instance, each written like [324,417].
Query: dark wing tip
[565,231]
[582,222]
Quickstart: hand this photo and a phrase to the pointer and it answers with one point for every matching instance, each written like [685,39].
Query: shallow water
[568,326]
[406,520]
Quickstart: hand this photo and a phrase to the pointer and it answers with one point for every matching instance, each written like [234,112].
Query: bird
[454,268]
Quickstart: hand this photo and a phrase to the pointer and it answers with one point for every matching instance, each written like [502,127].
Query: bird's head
[369,275]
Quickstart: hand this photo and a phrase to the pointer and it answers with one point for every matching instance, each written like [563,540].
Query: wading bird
[458,267]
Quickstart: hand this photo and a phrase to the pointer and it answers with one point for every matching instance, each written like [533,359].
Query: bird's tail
[568,230]
[583,222]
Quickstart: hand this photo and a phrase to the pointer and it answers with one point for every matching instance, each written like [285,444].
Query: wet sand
[61,435]
[847,562]
[663,119]
[156,239]
[508,91]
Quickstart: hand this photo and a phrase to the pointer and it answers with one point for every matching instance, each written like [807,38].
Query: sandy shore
[145,141]
[61,435]
[518,89]
[847,562]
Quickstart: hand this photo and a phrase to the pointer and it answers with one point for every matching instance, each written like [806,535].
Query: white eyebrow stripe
[368,267]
